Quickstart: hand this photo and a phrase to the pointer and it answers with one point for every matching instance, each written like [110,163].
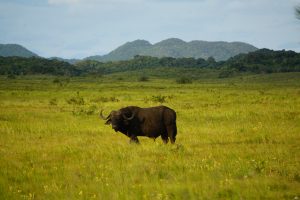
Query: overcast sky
[80,28]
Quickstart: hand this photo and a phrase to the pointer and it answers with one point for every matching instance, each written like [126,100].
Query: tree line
[266,61]
[260,61]
[35,65]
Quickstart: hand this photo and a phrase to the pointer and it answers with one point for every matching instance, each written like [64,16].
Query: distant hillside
[15,50]
[124,52]
[71,61]
[177,48]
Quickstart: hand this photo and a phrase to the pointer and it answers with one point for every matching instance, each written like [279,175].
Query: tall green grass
[237,139]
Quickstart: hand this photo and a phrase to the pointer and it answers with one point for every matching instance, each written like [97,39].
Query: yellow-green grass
[237,139]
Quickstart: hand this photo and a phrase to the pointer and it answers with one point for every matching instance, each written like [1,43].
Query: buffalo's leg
[165,138]
[172,132]
[134,139]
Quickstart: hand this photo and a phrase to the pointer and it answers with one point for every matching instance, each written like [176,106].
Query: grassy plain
[238,138]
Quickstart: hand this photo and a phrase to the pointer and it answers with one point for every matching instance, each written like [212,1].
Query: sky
[81,28]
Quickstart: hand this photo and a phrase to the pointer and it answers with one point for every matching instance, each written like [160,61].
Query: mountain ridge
[177,48]
[171,47]
[15,50]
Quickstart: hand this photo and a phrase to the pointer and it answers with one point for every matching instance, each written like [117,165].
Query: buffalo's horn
[128,118]
[102,117]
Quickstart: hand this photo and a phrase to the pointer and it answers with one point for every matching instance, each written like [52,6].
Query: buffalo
[151,122]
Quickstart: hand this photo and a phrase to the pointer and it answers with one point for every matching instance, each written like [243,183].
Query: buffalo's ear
[108,122]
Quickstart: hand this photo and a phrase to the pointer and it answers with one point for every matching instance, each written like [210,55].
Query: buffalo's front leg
[134,139]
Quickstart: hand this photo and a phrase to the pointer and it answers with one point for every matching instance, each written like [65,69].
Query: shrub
[184,80]
[159,98]
[143,79]
[62,82]
[105,99]
[83,110]
[226,73]
[91,110]
[77,100]
[56,80]
[53,102]
[11,76]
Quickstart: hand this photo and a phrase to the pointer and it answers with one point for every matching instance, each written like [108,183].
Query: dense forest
[260,61]
[265,60]
[35,65]
[142,62]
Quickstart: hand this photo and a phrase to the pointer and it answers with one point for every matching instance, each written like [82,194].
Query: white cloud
[59,2]
[76,2]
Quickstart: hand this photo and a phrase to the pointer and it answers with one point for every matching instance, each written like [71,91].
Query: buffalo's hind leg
[134,139]
[165,138]
[172,132]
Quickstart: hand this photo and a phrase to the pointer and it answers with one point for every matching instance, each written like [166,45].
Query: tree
[297,11]
[211,60]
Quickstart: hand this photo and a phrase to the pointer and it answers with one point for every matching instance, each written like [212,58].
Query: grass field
[238,138]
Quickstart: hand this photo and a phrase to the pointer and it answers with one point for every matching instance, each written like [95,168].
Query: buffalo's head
[119,120]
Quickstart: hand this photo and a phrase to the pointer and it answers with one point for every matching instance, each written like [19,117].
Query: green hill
[15,50]
[124,52]
[177,48]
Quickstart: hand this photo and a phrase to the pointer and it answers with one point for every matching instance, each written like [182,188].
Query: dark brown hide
[151,122]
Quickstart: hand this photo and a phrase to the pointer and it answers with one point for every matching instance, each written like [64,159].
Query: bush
[105,99]
[226,73]
[11,76]
[62,82]
[184,80]
[159,98]
[77,100]
[56,80]
[91,110]
[143,79]
[83,110]
[53,102]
